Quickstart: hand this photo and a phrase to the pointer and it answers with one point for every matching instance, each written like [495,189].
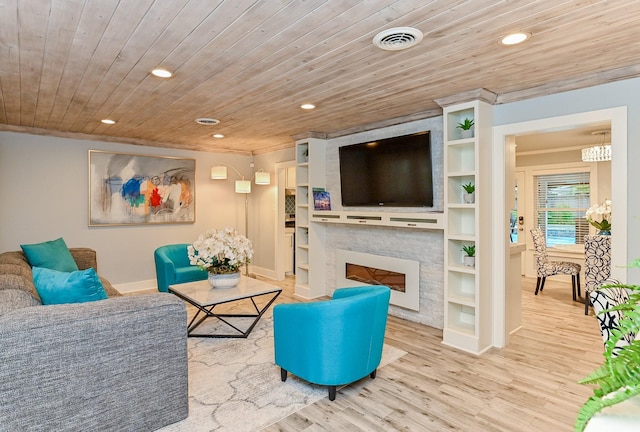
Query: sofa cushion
[52,254]
[55,287]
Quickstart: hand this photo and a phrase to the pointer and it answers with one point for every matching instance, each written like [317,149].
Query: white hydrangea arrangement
[220,251]
[599,215]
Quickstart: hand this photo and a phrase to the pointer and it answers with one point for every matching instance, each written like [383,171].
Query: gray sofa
[112,365]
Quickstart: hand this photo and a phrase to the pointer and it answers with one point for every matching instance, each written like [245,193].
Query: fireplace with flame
[401,275]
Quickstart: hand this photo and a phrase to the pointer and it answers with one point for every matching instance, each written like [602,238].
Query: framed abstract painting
[130,189]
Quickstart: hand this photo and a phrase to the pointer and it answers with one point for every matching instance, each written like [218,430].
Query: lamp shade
[263,178]
[219,172]
[243,186]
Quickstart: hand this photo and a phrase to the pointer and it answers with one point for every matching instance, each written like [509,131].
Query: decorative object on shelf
[470,258]
[469,195]
[599,215]
[243,186]
[221,252]
[600,152]
[466,127]
[321,199]
[305,155]
[228,280]
[617,377]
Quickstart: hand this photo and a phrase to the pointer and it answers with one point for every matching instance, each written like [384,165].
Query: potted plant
[469,196]
[466,127]
[603,212]
[221,253]
[469,258]
[617,379]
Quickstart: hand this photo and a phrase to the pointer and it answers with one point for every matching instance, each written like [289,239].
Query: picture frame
[134,189]
[321,200]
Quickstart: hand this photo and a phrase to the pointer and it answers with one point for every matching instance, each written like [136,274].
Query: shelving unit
[309,237]
[467,308]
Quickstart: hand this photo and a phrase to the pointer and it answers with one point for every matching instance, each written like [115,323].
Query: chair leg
[283,374]
[373,374]
[573,287]
[542,283]
[538,284]
[332,393]
[578,283]
[586,301]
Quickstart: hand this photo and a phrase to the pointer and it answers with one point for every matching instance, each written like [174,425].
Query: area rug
[234,386]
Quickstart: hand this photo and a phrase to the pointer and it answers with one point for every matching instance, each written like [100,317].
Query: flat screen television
[392,172]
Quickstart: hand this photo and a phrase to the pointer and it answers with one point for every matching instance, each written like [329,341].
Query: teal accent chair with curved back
[334,342]
[172,266]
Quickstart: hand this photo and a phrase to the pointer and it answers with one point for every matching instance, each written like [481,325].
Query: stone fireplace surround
[424,246]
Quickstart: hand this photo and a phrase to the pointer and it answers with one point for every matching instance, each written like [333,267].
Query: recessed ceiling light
[218,136]
[396,39]
[515,38]
[108,121]
[307,106]
[207,121]
[162,73]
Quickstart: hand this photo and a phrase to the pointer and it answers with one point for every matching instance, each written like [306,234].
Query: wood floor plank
[531,385]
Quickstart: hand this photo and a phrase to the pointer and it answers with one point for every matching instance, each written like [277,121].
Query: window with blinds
[561,201]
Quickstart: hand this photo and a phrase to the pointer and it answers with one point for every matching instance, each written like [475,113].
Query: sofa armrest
[111,365]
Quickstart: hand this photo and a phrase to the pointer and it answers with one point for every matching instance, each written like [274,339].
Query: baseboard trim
[132,287]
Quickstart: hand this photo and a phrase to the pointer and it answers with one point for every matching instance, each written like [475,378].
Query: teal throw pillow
[52,254]
[55,287]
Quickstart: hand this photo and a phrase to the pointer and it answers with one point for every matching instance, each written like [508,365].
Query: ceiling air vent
[207,121]
[398,38]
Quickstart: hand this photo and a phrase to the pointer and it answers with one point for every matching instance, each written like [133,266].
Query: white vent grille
[207,121]
[398,38]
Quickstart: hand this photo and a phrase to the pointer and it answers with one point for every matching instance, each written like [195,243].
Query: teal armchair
[172,267]
[334,342]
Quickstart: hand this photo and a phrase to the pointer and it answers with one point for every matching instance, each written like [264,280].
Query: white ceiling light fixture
[515,38]
[600,152]
[218,136]
[207,121]
[307,106]
[398,38]
[161,73]
[108,121]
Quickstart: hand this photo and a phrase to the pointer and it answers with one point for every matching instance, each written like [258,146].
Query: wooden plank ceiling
[65,65]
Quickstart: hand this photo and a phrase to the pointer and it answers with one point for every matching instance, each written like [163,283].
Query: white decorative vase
[469,198]
[469,261]
[467,133]
[227,280]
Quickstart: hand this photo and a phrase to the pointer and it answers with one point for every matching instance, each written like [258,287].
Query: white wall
[44,193]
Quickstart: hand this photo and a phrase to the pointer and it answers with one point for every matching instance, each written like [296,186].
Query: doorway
[283,241]
[503,137]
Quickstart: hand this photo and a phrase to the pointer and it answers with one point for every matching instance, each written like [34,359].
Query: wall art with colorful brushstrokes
[128,189]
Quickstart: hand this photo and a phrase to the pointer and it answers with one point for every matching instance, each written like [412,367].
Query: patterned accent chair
[546,268]
[597,265]
[606,298]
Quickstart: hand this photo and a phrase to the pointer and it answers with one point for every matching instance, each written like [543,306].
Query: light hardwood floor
[529,386]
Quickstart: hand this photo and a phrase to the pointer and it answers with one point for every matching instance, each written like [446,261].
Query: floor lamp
[243,186]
